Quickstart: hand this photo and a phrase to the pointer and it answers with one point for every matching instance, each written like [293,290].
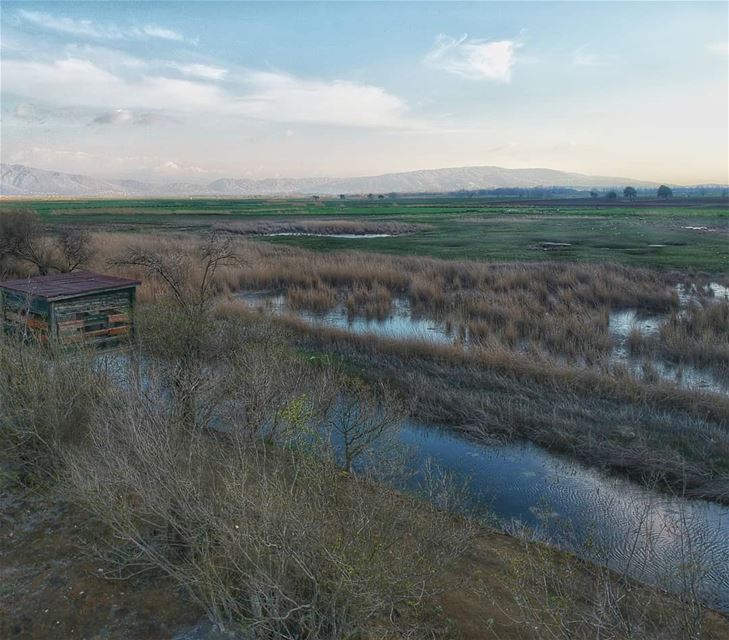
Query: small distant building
[69,308]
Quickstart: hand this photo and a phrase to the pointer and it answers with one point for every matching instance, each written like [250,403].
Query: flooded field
[403,323]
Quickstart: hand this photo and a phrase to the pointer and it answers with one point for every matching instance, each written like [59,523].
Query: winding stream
[610,520]
[527,490]
[634,530]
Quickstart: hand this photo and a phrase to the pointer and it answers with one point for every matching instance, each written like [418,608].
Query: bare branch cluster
[24,239]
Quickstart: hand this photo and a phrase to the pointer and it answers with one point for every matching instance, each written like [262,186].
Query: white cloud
[158,32]
[474,59]
[203,71]
[263,96]
[722,48]
[282,97]
[75,82]
[121,62]
[90,29]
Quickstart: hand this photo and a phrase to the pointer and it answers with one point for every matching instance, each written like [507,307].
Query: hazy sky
[200,90]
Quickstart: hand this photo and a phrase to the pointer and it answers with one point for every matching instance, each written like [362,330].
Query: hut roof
[67,285]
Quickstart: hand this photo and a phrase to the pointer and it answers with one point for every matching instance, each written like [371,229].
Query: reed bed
[369,301]
[699,335]
[561,309]
[322,227]
[555,307]
[320,298]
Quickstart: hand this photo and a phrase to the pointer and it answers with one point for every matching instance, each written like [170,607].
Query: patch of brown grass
[319,298]
[369,301]
[323,227]
[698,335]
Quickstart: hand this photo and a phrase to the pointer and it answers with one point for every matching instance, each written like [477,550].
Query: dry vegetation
[549,308]
[245,508]
[215,455]
[541,369]
[699,335]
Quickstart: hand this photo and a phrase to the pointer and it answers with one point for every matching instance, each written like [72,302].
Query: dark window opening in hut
[69,308]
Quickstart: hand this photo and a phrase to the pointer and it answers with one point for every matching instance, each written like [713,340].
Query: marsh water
[527,490]
[635,530]
[404,324]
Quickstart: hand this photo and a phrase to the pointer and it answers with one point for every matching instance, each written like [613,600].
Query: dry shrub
[46,401]
[275,541]
[557,598]
[28,247]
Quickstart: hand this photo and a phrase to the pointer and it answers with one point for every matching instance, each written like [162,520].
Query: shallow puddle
[623,323]
[401,324]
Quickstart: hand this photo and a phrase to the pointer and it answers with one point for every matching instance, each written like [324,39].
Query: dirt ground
[52,585]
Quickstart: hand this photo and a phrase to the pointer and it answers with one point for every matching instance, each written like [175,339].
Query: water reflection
[403,324]
[634,530]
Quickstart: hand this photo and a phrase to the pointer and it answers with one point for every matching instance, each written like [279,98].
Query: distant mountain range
[19,180]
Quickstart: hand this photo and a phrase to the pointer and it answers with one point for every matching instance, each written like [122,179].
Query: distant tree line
[628,193]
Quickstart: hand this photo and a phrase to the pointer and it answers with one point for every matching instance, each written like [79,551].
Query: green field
[476,229]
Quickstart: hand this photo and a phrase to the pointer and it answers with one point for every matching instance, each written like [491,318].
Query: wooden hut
[69,308]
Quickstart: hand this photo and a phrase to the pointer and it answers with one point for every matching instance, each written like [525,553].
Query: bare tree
[182,333]
[23,237]
[75,249]
[361,417]
[190,281]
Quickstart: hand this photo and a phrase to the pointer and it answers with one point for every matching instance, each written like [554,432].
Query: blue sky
[200,90]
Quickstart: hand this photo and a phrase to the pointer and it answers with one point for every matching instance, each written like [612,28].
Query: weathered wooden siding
[21,314]
[101,319]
